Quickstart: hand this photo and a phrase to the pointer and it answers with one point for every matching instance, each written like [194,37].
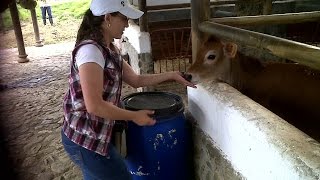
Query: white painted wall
[137,45]
[259,144]
[139,40]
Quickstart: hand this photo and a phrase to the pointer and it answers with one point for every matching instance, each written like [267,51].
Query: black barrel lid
[163,103]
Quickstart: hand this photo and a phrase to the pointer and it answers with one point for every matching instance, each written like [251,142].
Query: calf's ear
[230,49]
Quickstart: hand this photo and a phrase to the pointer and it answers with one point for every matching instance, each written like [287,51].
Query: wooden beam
[299,52]
[186,5]
[288,18]
[200,12]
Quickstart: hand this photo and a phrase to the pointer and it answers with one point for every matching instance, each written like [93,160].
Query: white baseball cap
[102,7]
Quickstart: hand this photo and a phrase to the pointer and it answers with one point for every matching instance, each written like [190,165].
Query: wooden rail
[288,18]
[187,5]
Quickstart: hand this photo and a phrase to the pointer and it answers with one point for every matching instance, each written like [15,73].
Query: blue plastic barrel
[157,152]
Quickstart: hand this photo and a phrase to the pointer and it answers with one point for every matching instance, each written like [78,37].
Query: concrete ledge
[257,143]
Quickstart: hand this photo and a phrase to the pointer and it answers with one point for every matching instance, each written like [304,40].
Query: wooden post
[35,27]
[143,20]
[200,11]
[18,33]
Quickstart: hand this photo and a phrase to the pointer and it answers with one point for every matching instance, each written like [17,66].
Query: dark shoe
[51,21]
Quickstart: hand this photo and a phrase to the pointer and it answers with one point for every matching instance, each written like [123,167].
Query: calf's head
[213,60]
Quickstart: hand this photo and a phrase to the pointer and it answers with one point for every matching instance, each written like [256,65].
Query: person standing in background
[46,9]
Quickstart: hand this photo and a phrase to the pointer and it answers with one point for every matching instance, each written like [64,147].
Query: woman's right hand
[144,118]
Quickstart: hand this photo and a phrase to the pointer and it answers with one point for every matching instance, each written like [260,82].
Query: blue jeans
[93,165]
[44,11]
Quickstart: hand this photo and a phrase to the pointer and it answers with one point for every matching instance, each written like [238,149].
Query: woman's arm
[135,80]
[91,80]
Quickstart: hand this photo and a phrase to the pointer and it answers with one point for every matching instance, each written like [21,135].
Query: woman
[91,104]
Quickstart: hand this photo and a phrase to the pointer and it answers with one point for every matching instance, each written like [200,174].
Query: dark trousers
[44,11]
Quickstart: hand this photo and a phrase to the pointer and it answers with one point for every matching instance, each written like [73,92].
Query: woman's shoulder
[113,50]
[88,44]
[87,41]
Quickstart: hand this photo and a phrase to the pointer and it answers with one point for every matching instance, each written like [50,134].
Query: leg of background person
[43,14]
[50,14]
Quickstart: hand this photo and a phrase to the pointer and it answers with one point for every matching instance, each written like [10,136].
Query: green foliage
[61,11]
[70,10]
[24,15]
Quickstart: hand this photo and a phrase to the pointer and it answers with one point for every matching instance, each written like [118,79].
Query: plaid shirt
[87,130]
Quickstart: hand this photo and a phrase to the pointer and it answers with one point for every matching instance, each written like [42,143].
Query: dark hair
[90,27]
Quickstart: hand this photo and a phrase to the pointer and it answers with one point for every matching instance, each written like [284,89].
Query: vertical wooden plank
[181,44]
[167,40]
[160,45]
[249,7]
[267,7]
[200,11]
[174,44]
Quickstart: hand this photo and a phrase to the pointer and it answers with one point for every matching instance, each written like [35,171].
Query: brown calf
[291,91]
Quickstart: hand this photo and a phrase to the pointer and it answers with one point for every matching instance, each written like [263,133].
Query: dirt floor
[61,31]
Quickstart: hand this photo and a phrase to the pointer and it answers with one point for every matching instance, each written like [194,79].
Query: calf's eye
[211,57]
